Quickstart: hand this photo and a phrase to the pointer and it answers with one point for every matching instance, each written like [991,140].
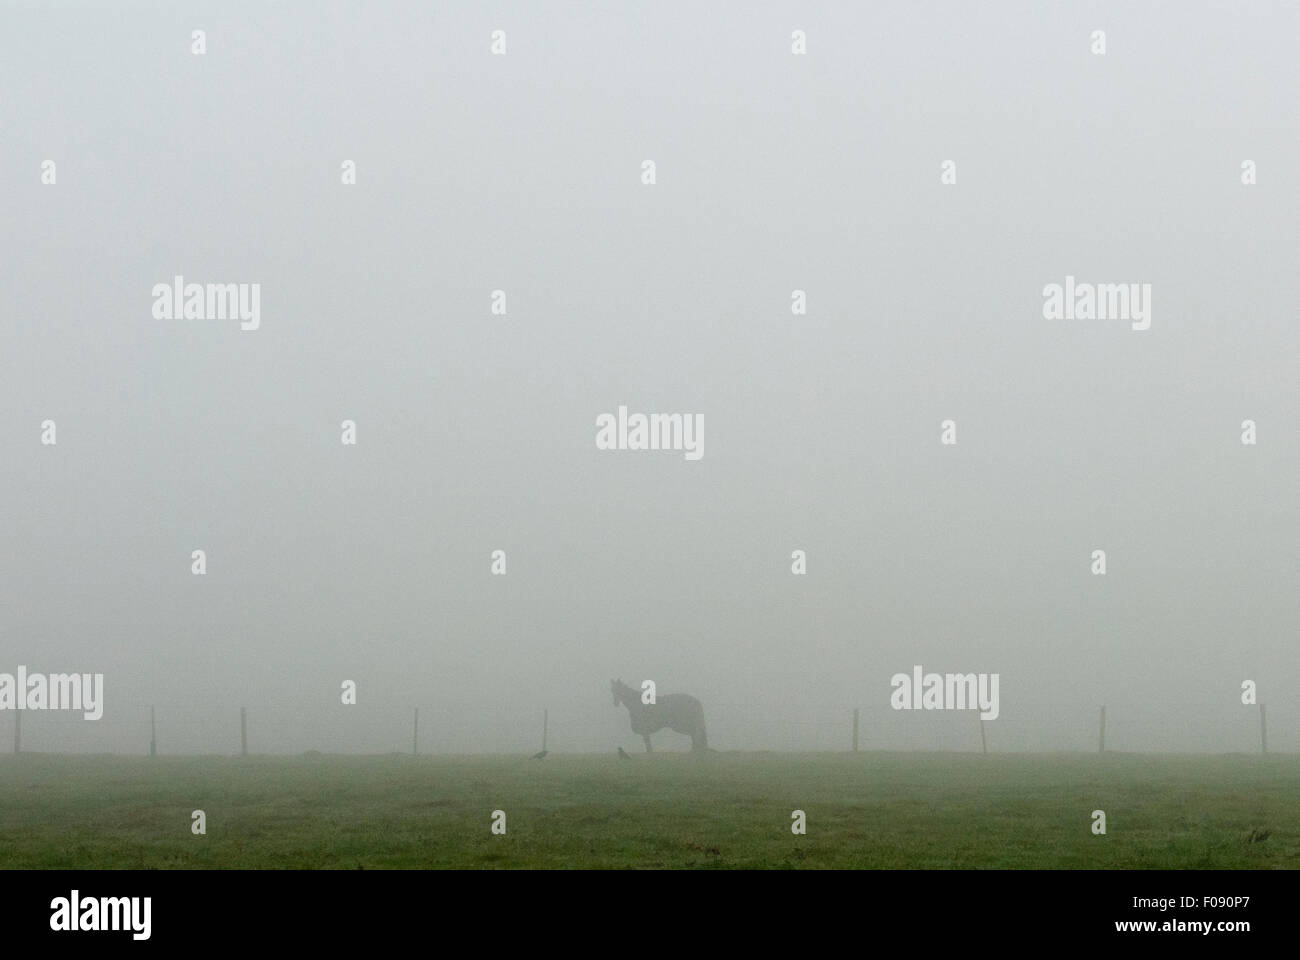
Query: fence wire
[279,728]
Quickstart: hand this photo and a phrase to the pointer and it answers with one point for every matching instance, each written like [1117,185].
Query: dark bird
[540,754]
[622,754]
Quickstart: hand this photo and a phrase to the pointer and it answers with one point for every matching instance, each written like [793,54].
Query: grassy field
[667,810]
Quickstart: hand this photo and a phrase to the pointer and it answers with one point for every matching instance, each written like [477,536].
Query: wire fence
[283,729]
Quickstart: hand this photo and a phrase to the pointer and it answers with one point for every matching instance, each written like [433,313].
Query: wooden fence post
[1263,731]
[855,729]
[1101,739]
[415,734]
[153,733]
[243,732]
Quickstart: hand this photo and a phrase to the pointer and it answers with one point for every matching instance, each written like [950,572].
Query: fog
[475,431]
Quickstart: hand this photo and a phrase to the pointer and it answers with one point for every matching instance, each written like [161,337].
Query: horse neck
[629,698]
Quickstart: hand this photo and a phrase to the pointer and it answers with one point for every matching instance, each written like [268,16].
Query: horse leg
[646,738]
[699,738]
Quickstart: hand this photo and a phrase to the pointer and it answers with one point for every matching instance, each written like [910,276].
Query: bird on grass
[622,754]
[540,754]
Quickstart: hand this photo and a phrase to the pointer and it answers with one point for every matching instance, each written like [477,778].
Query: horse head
[620,691]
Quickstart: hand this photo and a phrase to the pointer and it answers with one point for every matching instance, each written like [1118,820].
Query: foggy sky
[476,432]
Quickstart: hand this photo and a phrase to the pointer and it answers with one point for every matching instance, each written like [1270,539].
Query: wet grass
[667,810]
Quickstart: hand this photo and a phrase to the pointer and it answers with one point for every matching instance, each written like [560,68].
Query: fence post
[243,732]
[18,731]
[855,729]
[415,734]
[1101,740]
[546,723]
[984,742]
[153,733]
[1263,731]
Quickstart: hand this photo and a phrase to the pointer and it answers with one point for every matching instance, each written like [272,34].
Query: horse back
[679,701]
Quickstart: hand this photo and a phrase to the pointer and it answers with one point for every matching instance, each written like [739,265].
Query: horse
[677,711]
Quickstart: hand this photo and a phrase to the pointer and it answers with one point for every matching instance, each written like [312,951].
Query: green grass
[723,810]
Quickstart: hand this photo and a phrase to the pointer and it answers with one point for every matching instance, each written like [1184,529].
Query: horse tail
[700,742]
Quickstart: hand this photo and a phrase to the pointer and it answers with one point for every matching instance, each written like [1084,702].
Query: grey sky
[775,172]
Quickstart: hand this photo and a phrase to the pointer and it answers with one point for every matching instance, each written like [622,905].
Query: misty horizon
[477,431]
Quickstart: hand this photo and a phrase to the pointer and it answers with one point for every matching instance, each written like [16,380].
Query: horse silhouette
[676,711]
